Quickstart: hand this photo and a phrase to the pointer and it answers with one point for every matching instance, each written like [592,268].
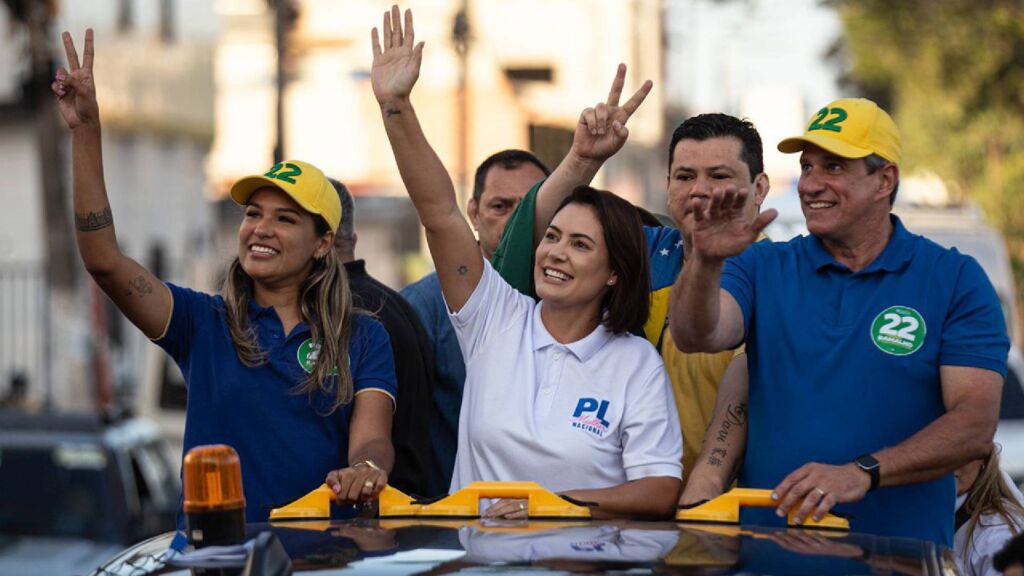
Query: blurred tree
[952,74]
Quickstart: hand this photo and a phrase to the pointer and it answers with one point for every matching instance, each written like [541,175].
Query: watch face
[867,462]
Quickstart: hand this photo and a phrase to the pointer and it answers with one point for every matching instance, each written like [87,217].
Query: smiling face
[503,189]
[278,240]
[840,199]
[700,166]
[572,266]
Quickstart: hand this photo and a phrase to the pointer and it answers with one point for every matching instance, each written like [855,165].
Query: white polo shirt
[591,414]
[989,537]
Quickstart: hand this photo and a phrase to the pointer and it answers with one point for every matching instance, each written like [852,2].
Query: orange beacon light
[214,505]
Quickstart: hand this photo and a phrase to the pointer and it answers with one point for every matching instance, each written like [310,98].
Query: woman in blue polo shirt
[277,365]
[559,392]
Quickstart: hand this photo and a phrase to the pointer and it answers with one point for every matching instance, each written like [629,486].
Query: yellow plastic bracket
[315,505]
[726,510]
[463,504]
[466,502]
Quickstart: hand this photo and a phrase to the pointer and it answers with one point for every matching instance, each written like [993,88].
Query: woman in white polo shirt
[558,392]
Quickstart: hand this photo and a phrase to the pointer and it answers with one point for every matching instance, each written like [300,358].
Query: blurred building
[154,78]
[525,81]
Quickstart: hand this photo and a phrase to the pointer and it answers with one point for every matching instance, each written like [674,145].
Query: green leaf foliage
[952,74]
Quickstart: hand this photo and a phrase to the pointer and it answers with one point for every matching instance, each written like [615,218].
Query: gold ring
[820,492]
[368,484]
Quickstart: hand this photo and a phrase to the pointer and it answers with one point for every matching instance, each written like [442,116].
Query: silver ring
[820,492]
[368,484]
[522,507]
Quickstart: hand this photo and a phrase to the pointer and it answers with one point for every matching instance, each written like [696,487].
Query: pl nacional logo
[589,416]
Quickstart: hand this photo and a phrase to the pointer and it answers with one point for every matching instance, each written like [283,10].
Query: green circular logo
[307,354]
[898,330]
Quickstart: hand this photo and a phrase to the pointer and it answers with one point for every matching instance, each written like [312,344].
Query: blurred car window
[74,488]
[66,490]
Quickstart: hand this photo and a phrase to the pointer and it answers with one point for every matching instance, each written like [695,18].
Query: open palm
[74,88]
[721,227]
[396,67]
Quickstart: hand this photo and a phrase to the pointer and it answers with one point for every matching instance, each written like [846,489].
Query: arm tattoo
[736,415]
[94,221]
[462,270]
[392,112]
[140,287]
[715,459]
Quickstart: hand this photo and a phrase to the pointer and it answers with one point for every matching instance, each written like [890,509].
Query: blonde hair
[991,495]
[325,305]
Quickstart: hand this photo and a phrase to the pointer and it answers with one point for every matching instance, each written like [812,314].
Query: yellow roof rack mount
[726,510]
[315,505]
[465,503]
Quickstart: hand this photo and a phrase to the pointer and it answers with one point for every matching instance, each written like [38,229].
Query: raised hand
[721,226]
[75,90]
[396,67]
[602,131]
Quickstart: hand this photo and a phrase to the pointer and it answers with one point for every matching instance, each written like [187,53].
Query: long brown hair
[991,495]
[325,305]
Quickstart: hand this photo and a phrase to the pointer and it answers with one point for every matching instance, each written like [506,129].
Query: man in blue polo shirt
[876,357]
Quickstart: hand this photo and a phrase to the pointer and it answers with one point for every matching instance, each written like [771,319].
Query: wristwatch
[870,464]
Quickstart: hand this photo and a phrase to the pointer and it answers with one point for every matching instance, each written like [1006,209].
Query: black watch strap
[870,464]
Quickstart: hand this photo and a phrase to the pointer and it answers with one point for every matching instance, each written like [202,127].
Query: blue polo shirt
[845,363]
[285,442]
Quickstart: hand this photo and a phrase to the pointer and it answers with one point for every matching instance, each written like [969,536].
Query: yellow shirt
[695,379]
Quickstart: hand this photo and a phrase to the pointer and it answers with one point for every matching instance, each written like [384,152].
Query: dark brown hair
[627,303]
[507,159]
[717,125]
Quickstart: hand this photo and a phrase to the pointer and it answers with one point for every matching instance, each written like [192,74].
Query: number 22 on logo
[909,323]
[898,330]
[838,115]
[278,172]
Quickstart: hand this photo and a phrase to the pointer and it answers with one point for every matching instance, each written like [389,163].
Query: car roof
[47,427]
[406,546]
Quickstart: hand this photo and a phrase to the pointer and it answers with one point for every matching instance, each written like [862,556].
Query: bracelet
[369,464]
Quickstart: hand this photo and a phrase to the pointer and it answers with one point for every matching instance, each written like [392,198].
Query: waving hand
[721,228]
[396,67]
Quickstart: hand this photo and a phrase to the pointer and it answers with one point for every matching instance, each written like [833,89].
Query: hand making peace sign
[75,90]
[602,131]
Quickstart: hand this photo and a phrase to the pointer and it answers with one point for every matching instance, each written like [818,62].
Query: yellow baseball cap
[305,183]
[851,128]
